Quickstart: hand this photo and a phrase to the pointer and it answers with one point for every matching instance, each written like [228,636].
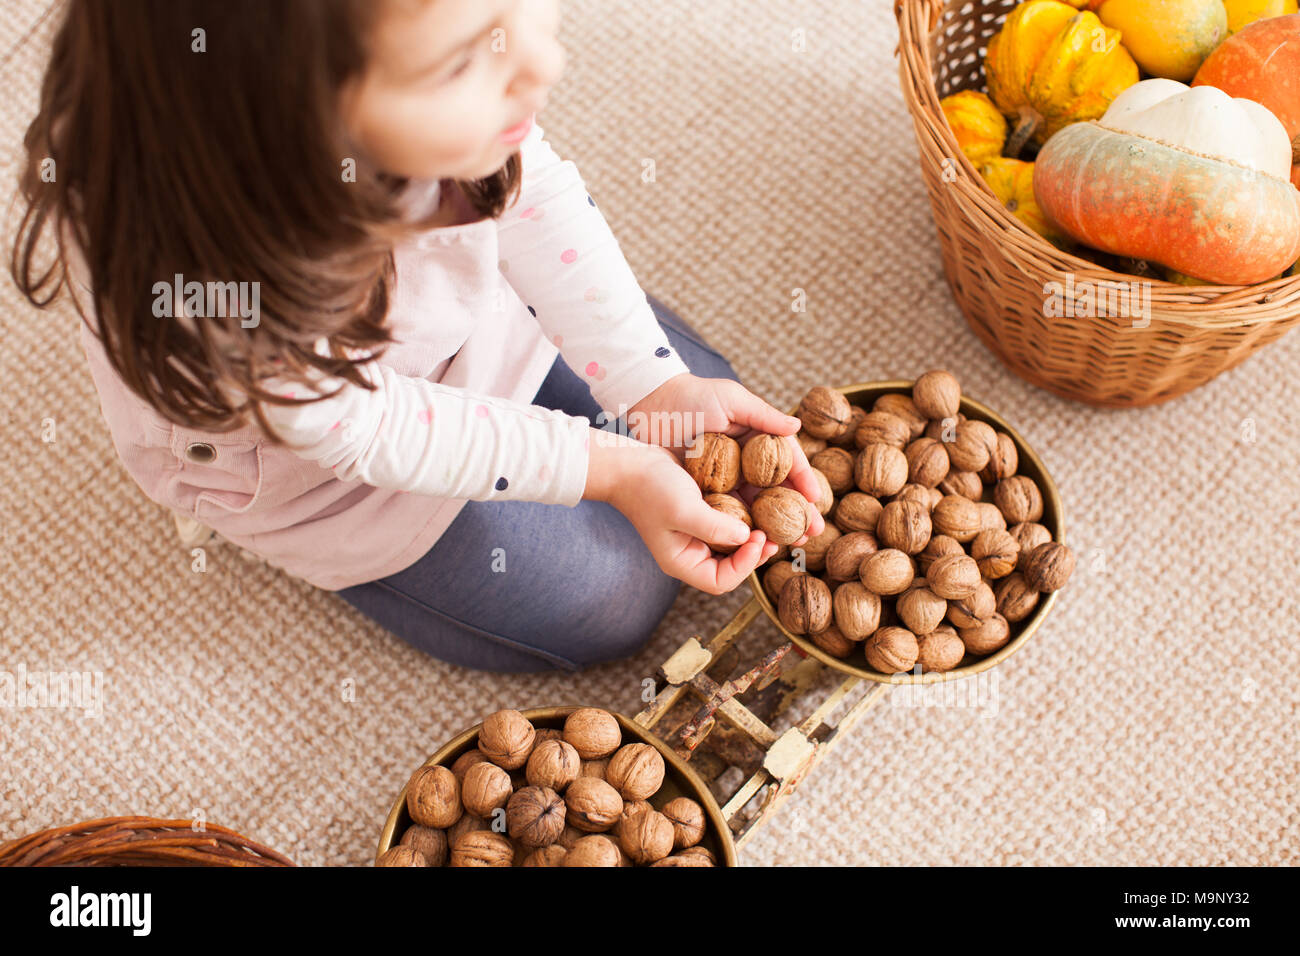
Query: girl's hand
[649,486]
[686,405]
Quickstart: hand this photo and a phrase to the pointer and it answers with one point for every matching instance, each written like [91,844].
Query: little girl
[354,314]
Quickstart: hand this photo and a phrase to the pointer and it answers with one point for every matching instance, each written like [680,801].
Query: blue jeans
[579,585]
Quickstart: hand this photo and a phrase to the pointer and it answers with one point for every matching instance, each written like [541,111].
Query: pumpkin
[1262,63]
[979,126]
[1051,65]
[1168,38]
[1187,177]
[1012,181]
[1178,278]
[1242,13]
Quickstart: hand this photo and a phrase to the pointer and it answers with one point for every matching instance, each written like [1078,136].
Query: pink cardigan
[480,312]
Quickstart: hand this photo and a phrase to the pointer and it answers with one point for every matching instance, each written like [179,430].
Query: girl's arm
[411,434]
[562,259]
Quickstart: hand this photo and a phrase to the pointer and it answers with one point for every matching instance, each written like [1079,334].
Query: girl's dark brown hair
[225,166]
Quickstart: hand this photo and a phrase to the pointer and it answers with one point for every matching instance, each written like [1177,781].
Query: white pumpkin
[1203,120]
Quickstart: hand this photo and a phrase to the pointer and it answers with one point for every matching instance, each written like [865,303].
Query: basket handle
[936,10]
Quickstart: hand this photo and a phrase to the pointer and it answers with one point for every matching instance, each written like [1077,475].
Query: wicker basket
[999,269]
[138,841]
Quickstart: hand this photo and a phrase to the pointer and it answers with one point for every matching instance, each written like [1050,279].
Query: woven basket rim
[1200,307]
[139,840]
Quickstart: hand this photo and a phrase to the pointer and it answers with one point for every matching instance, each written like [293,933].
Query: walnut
[896,403]
[972,446]
[882,428]
[826,498]
[569,836]
[1029,535]
[856,417]
[402,856]
[647,837]
[433,797]
[904,525]
[991,519]
[552,855]
[944,429]
[713,460]
[467,760]
[805,604]
[702,851]
[774,578]
[964,483]
[728,505]
[810,445]
[891,650]
[918,493]
[507,739]
[844,556]
[535,816]
[833,642]
[815,548]
[940,650]
[485,788]
[939,545]
[986,636]
[1003,462]
[880,470]
[593,805]
[594,733]
[957,517]
[594,768]
[975,607]
[553,764]
[927,462]
[684,859]
[1016,600]
[856,611]
[431,843]
[468,823]
[921,609]
[825,413]
[687,818]
[592,851]
[636,771]
[766,460]
[954,576]
[888,571]
[996,553]
[1049,566]
[857,511]
[547,733]
[837,465]
[482,848]
[782,514]
[937,394]
[1019,499]
[630,809]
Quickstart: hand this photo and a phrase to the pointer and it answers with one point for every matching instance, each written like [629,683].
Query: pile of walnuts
[540,797]
[933,544]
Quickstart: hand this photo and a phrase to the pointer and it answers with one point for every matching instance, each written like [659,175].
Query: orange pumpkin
[1187,178]
[1262,63]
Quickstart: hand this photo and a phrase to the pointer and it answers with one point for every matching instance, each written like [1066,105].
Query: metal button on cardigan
[201,453]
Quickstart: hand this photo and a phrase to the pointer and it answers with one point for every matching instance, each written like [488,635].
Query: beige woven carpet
[1153,720]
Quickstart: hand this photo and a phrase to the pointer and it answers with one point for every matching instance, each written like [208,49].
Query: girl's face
[445,79]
